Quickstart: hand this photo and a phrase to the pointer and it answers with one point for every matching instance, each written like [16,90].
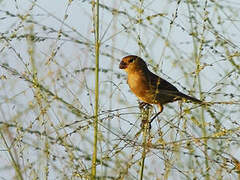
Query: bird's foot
[144,105]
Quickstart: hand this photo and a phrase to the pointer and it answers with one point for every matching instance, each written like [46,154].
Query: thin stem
[15,164]
[146,129]
[97,46]
[204,131]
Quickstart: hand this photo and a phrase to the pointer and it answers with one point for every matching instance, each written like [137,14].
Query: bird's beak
[122,65]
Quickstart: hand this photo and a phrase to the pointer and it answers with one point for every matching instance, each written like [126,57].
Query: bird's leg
[156,115]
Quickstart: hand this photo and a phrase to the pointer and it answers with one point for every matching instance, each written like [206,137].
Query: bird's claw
[144,105]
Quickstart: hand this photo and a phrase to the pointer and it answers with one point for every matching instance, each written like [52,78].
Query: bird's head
[132,64]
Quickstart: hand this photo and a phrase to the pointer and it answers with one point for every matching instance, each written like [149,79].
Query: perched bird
[149,87]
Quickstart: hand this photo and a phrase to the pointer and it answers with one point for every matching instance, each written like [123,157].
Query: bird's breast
[139,85]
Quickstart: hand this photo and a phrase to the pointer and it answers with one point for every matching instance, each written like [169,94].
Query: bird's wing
[161,84]
[166,90]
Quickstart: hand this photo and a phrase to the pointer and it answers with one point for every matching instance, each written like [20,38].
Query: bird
[148,87]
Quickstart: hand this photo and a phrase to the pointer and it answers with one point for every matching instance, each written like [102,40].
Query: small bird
[149,87]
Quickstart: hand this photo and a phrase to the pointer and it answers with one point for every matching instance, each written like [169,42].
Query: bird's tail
[189,98]
[177,95]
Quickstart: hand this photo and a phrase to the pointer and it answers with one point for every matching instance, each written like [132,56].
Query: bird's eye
[131,60]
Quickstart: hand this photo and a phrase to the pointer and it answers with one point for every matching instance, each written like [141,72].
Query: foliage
[47,89]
